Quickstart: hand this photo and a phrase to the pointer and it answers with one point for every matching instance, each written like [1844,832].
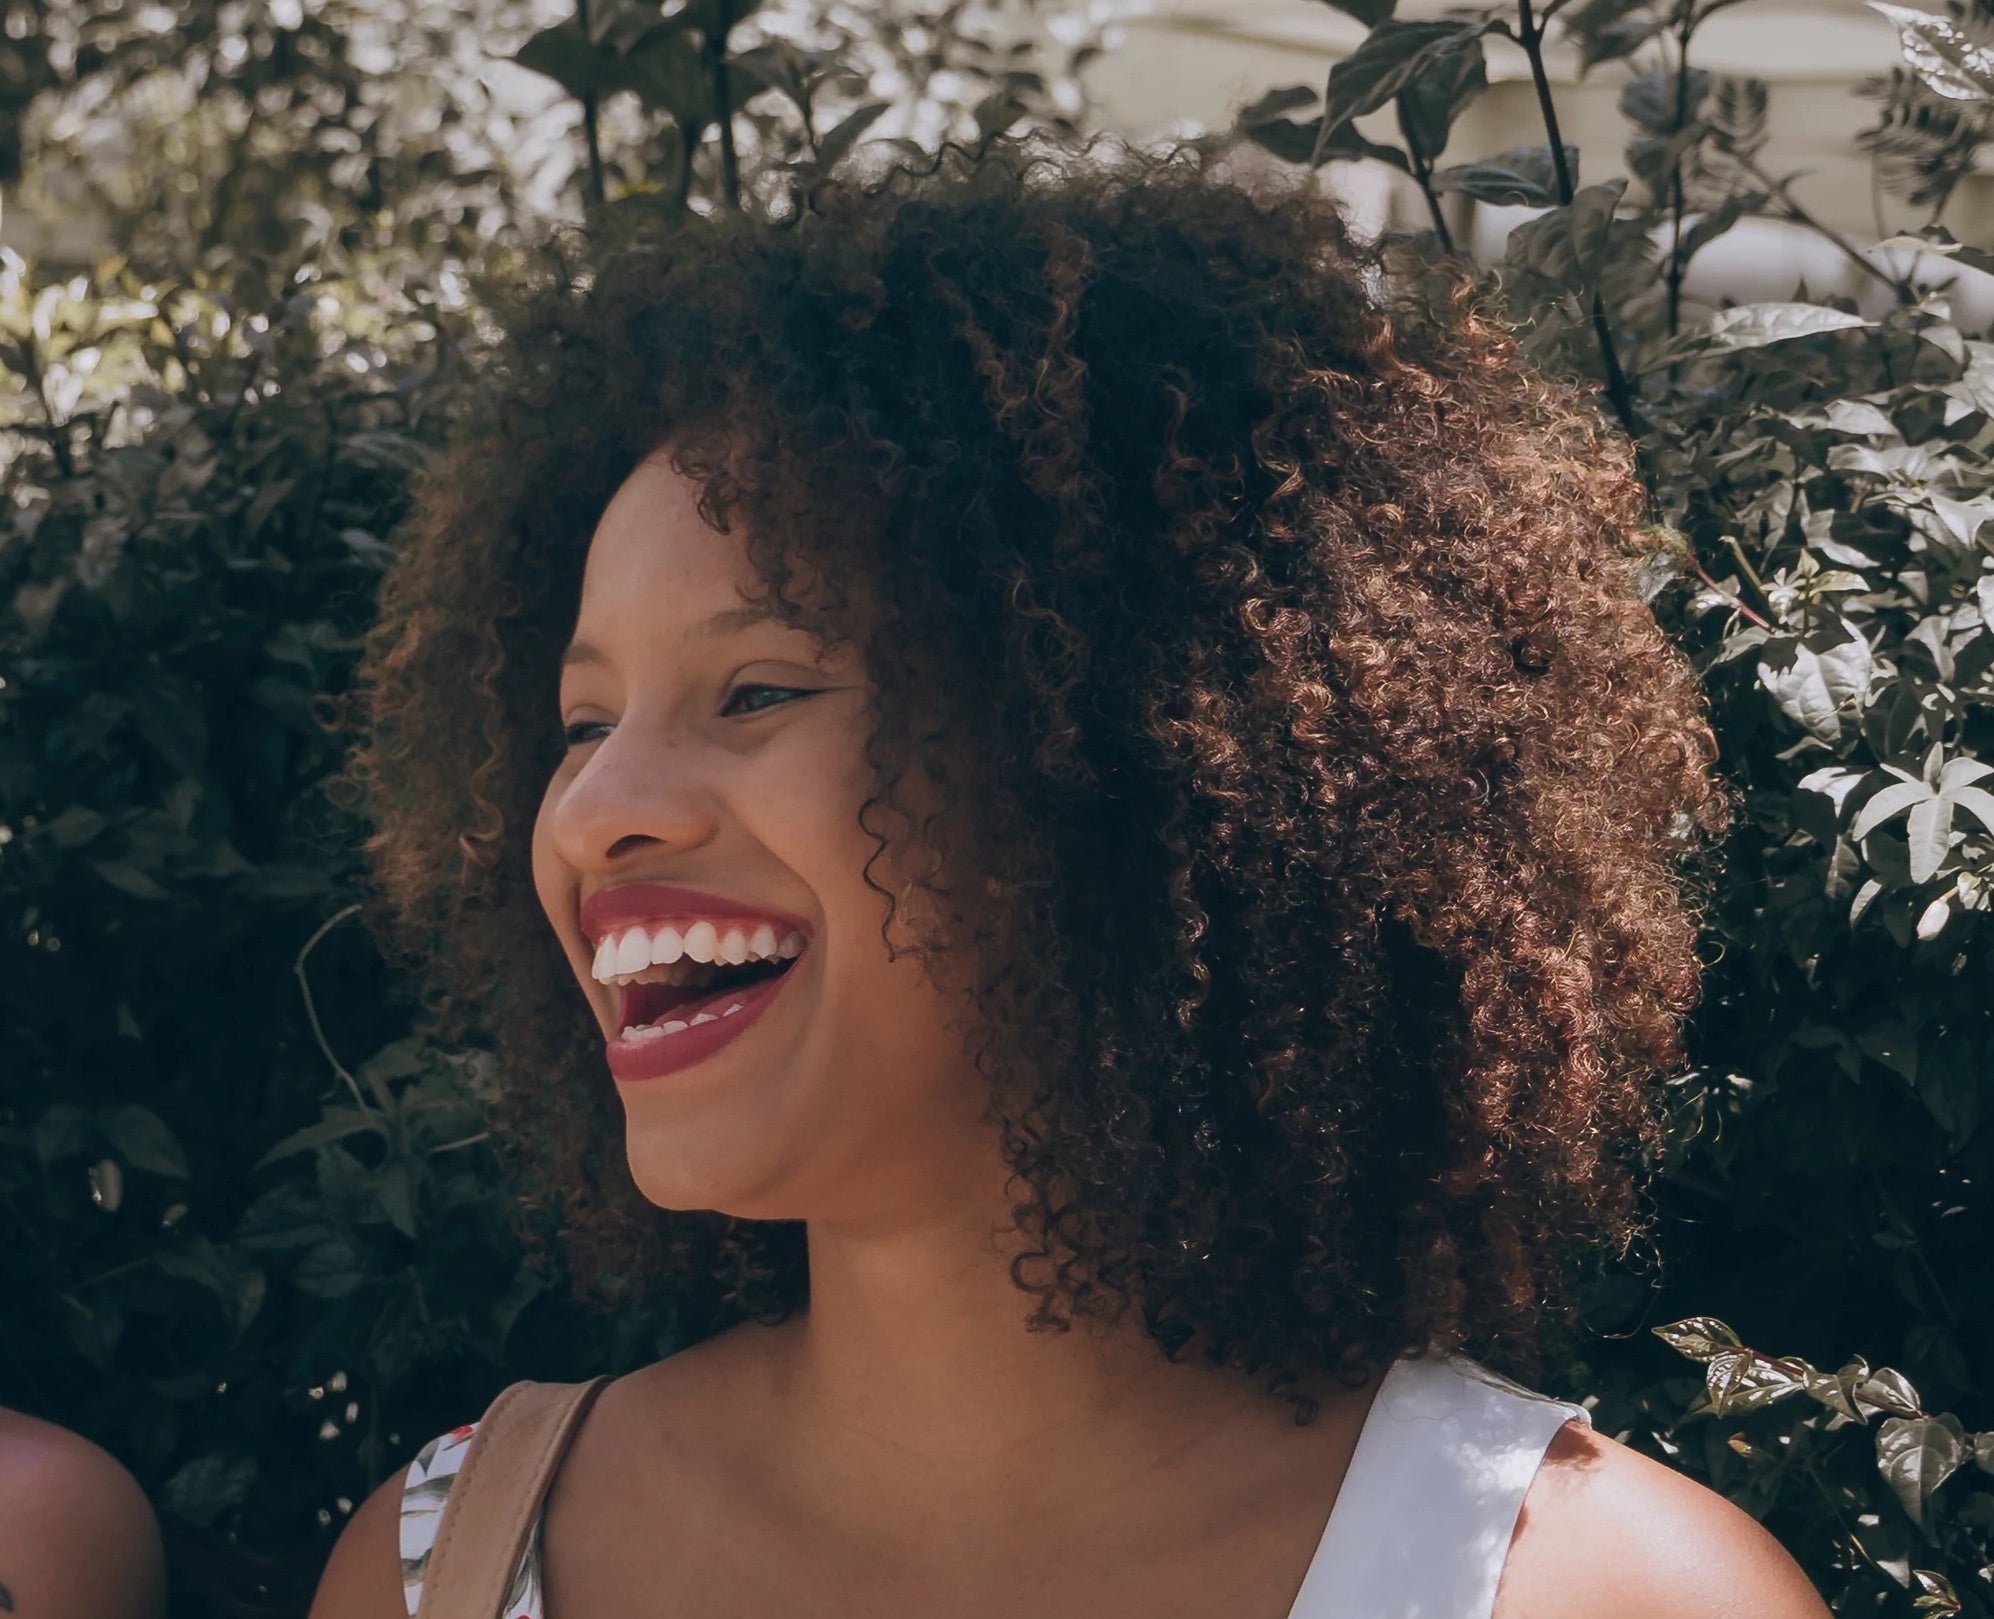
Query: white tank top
[1420,1528]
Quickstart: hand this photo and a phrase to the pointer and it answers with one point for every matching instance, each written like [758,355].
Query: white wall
[1201,60]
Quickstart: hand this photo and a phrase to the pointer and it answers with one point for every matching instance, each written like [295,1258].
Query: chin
[744,1172]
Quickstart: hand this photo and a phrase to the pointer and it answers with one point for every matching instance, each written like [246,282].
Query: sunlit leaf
[1700,1337]
[1918,1454]
[1747,326]
[1951,64]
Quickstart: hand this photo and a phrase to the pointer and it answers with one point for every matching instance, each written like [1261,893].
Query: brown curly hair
[1322,783]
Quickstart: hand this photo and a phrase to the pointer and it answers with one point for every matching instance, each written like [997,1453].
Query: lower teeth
[657,1031]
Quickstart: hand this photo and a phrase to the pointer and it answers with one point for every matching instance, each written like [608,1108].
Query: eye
[570,736]
[750,698]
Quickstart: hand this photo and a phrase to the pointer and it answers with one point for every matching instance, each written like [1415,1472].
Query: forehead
[654,561]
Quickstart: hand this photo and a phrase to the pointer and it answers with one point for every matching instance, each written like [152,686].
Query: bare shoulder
[1605,1529]
[363,1577]
[79,1536]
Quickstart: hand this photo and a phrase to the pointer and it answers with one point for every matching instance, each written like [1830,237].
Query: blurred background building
[1190,65]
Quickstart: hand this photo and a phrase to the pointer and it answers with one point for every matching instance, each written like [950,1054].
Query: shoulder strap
[1422,1523]
[496,1497]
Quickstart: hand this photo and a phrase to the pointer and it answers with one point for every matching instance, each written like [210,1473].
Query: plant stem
[1756,618]
[591,133]
[311,1008]
[58,431]
[1800,216]
[1685,27]
[1422,172]
[688,147]
[723,111]
[1531,37]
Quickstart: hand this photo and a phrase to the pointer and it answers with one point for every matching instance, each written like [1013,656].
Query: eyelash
[727,709]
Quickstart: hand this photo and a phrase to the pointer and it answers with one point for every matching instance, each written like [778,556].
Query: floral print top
[425,1490]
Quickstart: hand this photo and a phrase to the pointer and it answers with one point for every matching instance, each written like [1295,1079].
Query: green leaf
[73,828]
[337,1124]
[666,72]
[1889,1390]
[1275,104]
[1746,326]
[1892,801]
[1429,105]
[1303,143]
[617,23]
[1813,683]
[1916,1455]
[1392,56]
[1742,1380]
[142,1139]
[1951,64]
[1977,802]
[1930,831]
[331,1270]
[1523,175]
[1710,225]
[1700,1337]
[237,1286]
[62,1131]
[844,135]
[128,879]
[1609,29]
[1592,225]
[1655,101]
[200,1492]
[565,54]
[395,1185]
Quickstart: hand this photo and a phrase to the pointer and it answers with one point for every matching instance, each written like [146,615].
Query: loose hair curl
[1322,784]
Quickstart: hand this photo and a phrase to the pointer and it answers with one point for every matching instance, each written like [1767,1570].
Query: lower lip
[631,1061]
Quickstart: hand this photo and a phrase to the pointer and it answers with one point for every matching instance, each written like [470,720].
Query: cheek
[549,878]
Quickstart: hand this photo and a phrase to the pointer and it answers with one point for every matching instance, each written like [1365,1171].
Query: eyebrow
[727,622]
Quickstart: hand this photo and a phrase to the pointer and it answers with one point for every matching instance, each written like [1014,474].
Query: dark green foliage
[259,1299]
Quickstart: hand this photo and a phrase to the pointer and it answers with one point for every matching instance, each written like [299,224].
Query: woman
[1097,778]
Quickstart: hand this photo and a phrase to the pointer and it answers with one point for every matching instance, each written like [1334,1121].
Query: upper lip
[607,908]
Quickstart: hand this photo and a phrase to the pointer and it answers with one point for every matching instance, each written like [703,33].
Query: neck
[913,1365]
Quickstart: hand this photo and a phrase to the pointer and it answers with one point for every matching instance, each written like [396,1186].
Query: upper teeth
[621,956]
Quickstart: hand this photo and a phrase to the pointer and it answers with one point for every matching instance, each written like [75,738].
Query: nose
[634,792]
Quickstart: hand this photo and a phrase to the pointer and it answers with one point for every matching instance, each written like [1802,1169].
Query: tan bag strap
[495,1498]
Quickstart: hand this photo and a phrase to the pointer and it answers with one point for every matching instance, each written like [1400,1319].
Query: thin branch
[723,110]
[1422,173]
[1800,216]
[1745,566]
[1730,599]
[1678,267]
[1531,37]
[311,1010]
[598,192]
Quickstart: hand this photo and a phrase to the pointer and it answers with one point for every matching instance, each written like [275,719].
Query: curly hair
[1317,787]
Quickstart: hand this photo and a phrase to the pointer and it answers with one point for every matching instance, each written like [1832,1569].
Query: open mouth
[669,999]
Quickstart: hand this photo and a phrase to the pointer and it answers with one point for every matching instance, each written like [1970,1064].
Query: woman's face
[699,854]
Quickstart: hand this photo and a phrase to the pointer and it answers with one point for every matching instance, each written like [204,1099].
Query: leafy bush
[256,1243]
[1822,480]
[257,1328]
